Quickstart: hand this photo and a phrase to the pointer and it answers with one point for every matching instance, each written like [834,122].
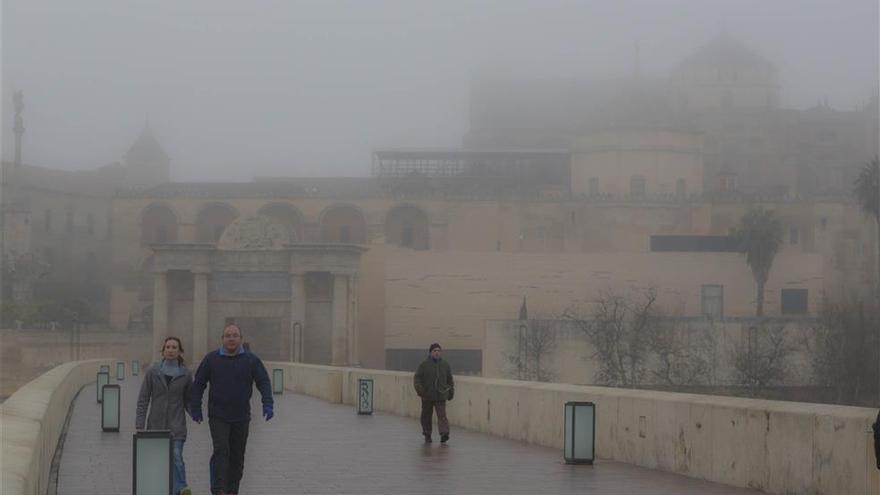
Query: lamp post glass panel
[580,432]
[103,378]
[365,396]
[111,395]
[105,368]
[135,367]
[151,463]
[120,371]
[277,381]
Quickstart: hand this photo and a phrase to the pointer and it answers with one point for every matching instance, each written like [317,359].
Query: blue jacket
[232,379]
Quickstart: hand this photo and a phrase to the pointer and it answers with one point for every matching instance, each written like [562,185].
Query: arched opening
[212,221]
[637,186]
[158,225]
[343,224]
[407,226]
[285,214]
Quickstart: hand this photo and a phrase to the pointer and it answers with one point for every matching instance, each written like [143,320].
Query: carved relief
[255,232]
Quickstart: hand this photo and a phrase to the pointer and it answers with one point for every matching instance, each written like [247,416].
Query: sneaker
[185,491]
[444,437]
[427,438]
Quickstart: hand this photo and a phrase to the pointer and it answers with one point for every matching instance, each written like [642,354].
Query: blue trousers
[179,473]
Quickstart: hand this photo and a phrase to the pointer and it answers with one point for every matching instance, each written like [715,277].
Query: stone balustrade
[773,446]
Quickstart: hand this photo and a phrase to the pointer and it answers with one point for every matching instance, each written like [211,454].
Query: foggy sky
[236,89]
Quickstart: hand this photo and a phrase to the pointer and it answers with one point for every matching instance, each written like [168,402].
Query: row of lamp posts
[152,450]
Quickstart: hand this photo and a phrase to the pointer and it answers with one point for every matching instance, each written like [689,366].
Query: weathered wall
[777,447]
[32,421]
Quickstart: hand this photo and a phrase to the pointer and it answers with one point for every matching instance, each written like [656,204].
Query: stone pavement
[315,447]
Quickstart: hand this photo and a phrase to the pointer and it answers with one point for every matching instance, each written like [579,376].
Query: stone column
[160,310]
[353,339]
[339,335]
[200,316]
[297,315]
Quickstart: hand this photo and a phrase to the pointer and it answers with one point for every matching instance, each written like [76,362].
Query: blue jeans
[179,468]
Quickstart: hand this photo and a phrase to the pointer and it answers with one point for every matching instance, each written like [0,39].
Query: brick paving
[312,447]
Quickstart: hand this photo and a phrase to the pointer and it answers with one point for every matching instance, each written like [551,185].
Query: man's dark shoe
[427,438]
[444,437]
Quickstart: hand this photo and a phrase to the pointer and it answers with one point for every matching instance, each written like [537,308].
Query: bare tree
[843,351]
[684,355]
[536,343]
[619,329]
[761,358]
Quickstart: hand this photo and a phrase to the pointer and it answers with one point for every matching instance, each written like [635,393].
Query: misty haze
[634,234]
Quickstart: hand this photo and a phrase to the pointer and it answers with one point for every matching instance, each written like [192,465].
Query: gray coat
[167,402]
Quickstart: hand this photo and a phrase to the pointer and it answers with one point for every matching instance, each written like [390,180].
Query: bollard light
[580,432]
[103,378]
[278,381]
[105,368]
[135,367]
[151,463]
[120,371]
[110,404]
[365,396]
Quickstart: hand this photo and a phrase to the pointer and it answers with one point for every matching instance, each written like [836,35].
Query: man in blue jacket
[232,372]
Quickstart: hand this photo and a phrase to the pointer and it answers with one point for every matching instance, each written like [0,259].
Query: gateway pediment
[255,232]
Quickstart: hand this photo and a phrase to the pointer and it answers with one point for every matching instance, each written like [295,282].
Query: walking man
[232,372]
[433,383]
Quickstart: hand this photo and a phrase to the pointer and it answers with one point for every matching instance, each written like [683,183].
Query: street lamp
[103,378]
[296,342]
[135,367]
[365,396]
[151,463]
[120,371]
[110,405]
[278,381]
[580,432]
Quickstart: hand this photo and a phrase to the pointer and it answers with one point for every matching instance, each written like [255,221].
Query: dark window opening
[345,234]
[794,301]
[406,237]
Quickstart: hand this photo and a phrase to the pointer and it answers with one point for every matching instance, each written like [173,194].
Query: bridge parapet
[773,446]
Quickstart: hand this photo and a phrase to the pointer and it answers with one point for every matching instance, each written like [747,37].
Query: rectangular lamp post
[120,371]
[151,463]
[135,367]
[103,378]
[277,381]
[105,367]
[580,432]
[365,396]
[111,395]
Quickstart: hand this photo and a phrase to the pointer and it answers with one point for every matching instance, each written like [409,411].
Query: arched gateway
[294,301]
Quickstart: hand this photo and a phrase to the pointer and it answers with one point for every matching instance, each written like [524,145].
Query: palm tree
[760,237]
[867,189]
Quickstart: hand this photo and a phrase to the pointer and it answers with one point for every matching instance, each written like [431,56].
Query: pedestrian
[165,390]
[877,439]
[232,372]
[433,383]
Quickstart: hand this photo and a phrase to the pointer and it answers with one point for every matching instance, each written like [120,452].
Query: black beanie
[434,346]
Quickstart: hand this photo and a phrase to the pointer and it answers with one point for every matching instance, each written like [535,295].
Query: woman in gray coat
[166,390]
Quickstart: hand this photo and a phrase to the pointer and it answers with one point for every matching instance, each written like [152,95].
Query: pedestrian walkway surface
[311,446]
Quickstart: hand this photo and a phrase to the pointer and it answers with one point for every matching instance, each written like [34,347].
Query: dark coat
[232,379]
[877,440]
[433,380]
[167,402]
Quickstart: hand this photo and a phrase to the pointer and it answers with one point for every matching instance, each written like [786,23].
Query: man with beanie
[232,372]
[433,383]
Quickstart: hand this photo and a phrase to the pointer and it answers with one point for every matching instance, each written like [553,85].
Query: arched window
[637,186]
[344,224]
[212,221]
[158,225]
[285,214]
[407,226]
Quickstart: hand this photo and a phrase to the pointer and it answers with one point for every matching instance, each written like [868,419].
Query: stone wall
[776,447]
[32,421]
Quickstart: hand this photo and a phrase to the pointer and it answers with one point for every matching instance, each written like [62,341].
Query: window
[680,188]
[345,234]
[712,301]
[406,237]
[161,233]
[90,223]
[47,220]
[794,301]
[218,232]
[793,235]
[594,186]
[637,186]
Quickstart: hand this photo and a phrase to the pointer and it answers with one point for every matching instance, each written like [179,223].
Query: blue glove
[268,412]
[196,414]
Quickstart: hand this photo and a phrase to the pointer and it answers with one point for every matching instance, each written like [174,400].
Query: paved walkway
[315,447]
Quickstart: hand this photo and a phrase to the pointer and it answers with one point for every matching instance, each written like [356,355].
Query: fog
[238,89]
